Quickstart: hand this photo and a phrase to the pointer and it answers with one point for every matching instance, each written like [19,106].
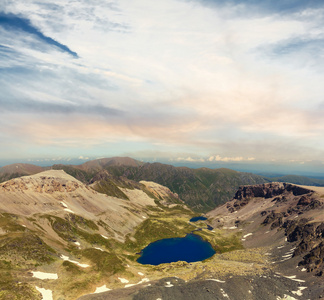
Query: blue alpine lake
[190,248]
[200,218]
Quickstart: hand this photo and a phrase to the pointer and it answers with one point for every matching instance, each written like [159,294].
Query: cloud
[255,7]
[188,159]
[13,22]
[229,159]
[242,79]
[31,106]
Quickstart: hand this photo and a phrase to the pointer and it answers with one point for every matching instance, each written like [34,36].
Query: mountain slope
[18,170]
[286,219]
[51,223]
[201,189]
[54,226]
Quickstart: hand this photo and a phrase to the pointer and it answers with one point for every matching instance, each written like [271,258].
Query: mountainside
[18,170]
[201,189]
[303,180]
[61,237]
[54,225]
[286,219]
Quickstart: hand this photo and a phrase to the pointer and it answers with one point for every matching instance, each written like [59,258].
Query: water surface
[190,248]
[200,218]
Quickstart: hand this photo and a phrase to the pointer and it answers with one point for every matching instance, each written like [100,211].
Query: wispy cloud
[233,80]
[13,22]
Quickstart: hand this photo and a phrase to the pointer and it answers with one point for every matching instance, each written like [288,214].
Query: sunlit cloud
[228,82]
[229,159]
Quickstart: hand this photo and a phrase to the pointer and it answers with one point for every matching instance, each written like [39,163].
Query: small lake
[200,218]
[190,248]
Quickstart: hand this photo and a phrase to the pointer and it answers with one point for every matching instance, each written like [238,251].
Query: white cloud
[188,159]
[182,76]
[229,159]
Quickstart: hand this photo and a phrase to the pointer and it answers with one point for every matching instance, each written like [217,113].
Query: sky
[205,82]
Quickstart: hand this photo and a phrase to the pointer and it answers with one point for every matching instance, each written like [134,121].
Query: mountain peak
[100,163]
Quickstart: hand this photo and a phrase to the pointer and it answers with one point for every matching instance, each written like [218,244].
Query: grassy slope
[23,249]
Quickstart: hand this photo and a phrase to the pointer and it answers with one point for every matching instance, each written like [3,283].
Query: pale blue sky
[213,82]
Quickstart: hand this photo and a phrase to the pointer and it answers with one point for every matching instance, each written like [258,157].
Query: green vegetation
[81,175]
[82,222]
[104,262]
[10,289]
[26,248]
[109,188]
[72,268]
[201,189]
[8,223]
[70,230]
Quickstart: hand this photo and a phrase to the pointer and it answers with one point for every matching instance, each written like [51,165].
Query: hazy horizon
[270,170]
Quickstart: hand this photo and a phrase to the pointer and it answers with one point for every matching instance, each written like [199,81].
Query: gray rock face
[235,287]
[269,190]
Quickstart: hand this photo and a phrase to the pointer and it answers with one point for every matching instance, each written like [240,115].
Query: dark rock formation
[309,237]
[314,260]
[269,190]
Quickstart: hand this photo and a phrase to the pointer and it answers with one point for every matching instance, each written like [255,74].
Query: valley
[65,237]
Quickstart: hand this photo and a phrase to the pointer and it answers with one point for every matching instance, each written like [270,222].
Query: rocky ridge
[290,204]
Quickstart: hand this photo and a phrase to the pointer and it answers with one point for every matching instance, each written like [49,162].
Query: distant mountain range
[201,189]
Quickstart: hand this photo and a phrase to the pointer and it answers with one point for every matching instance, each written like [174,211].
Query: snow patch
[293,277]
[46,294]
[74,262]
[63,204]
[104,236]
[143,217]
[168,284]
[279,247]
[77,243]
[140,273]
[303,269]
[217,280]
[101,289]
[69,210]
[299,292]
[123,280]
[42,275]
[286,297]
[288,255]
[142,281]
[245,236]
[98,249]
[224,294]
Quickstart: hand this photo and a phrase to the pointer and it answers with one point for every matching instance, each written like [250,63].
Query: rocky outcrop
[286,205]
[45,184]
[269,190]
[310,239]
